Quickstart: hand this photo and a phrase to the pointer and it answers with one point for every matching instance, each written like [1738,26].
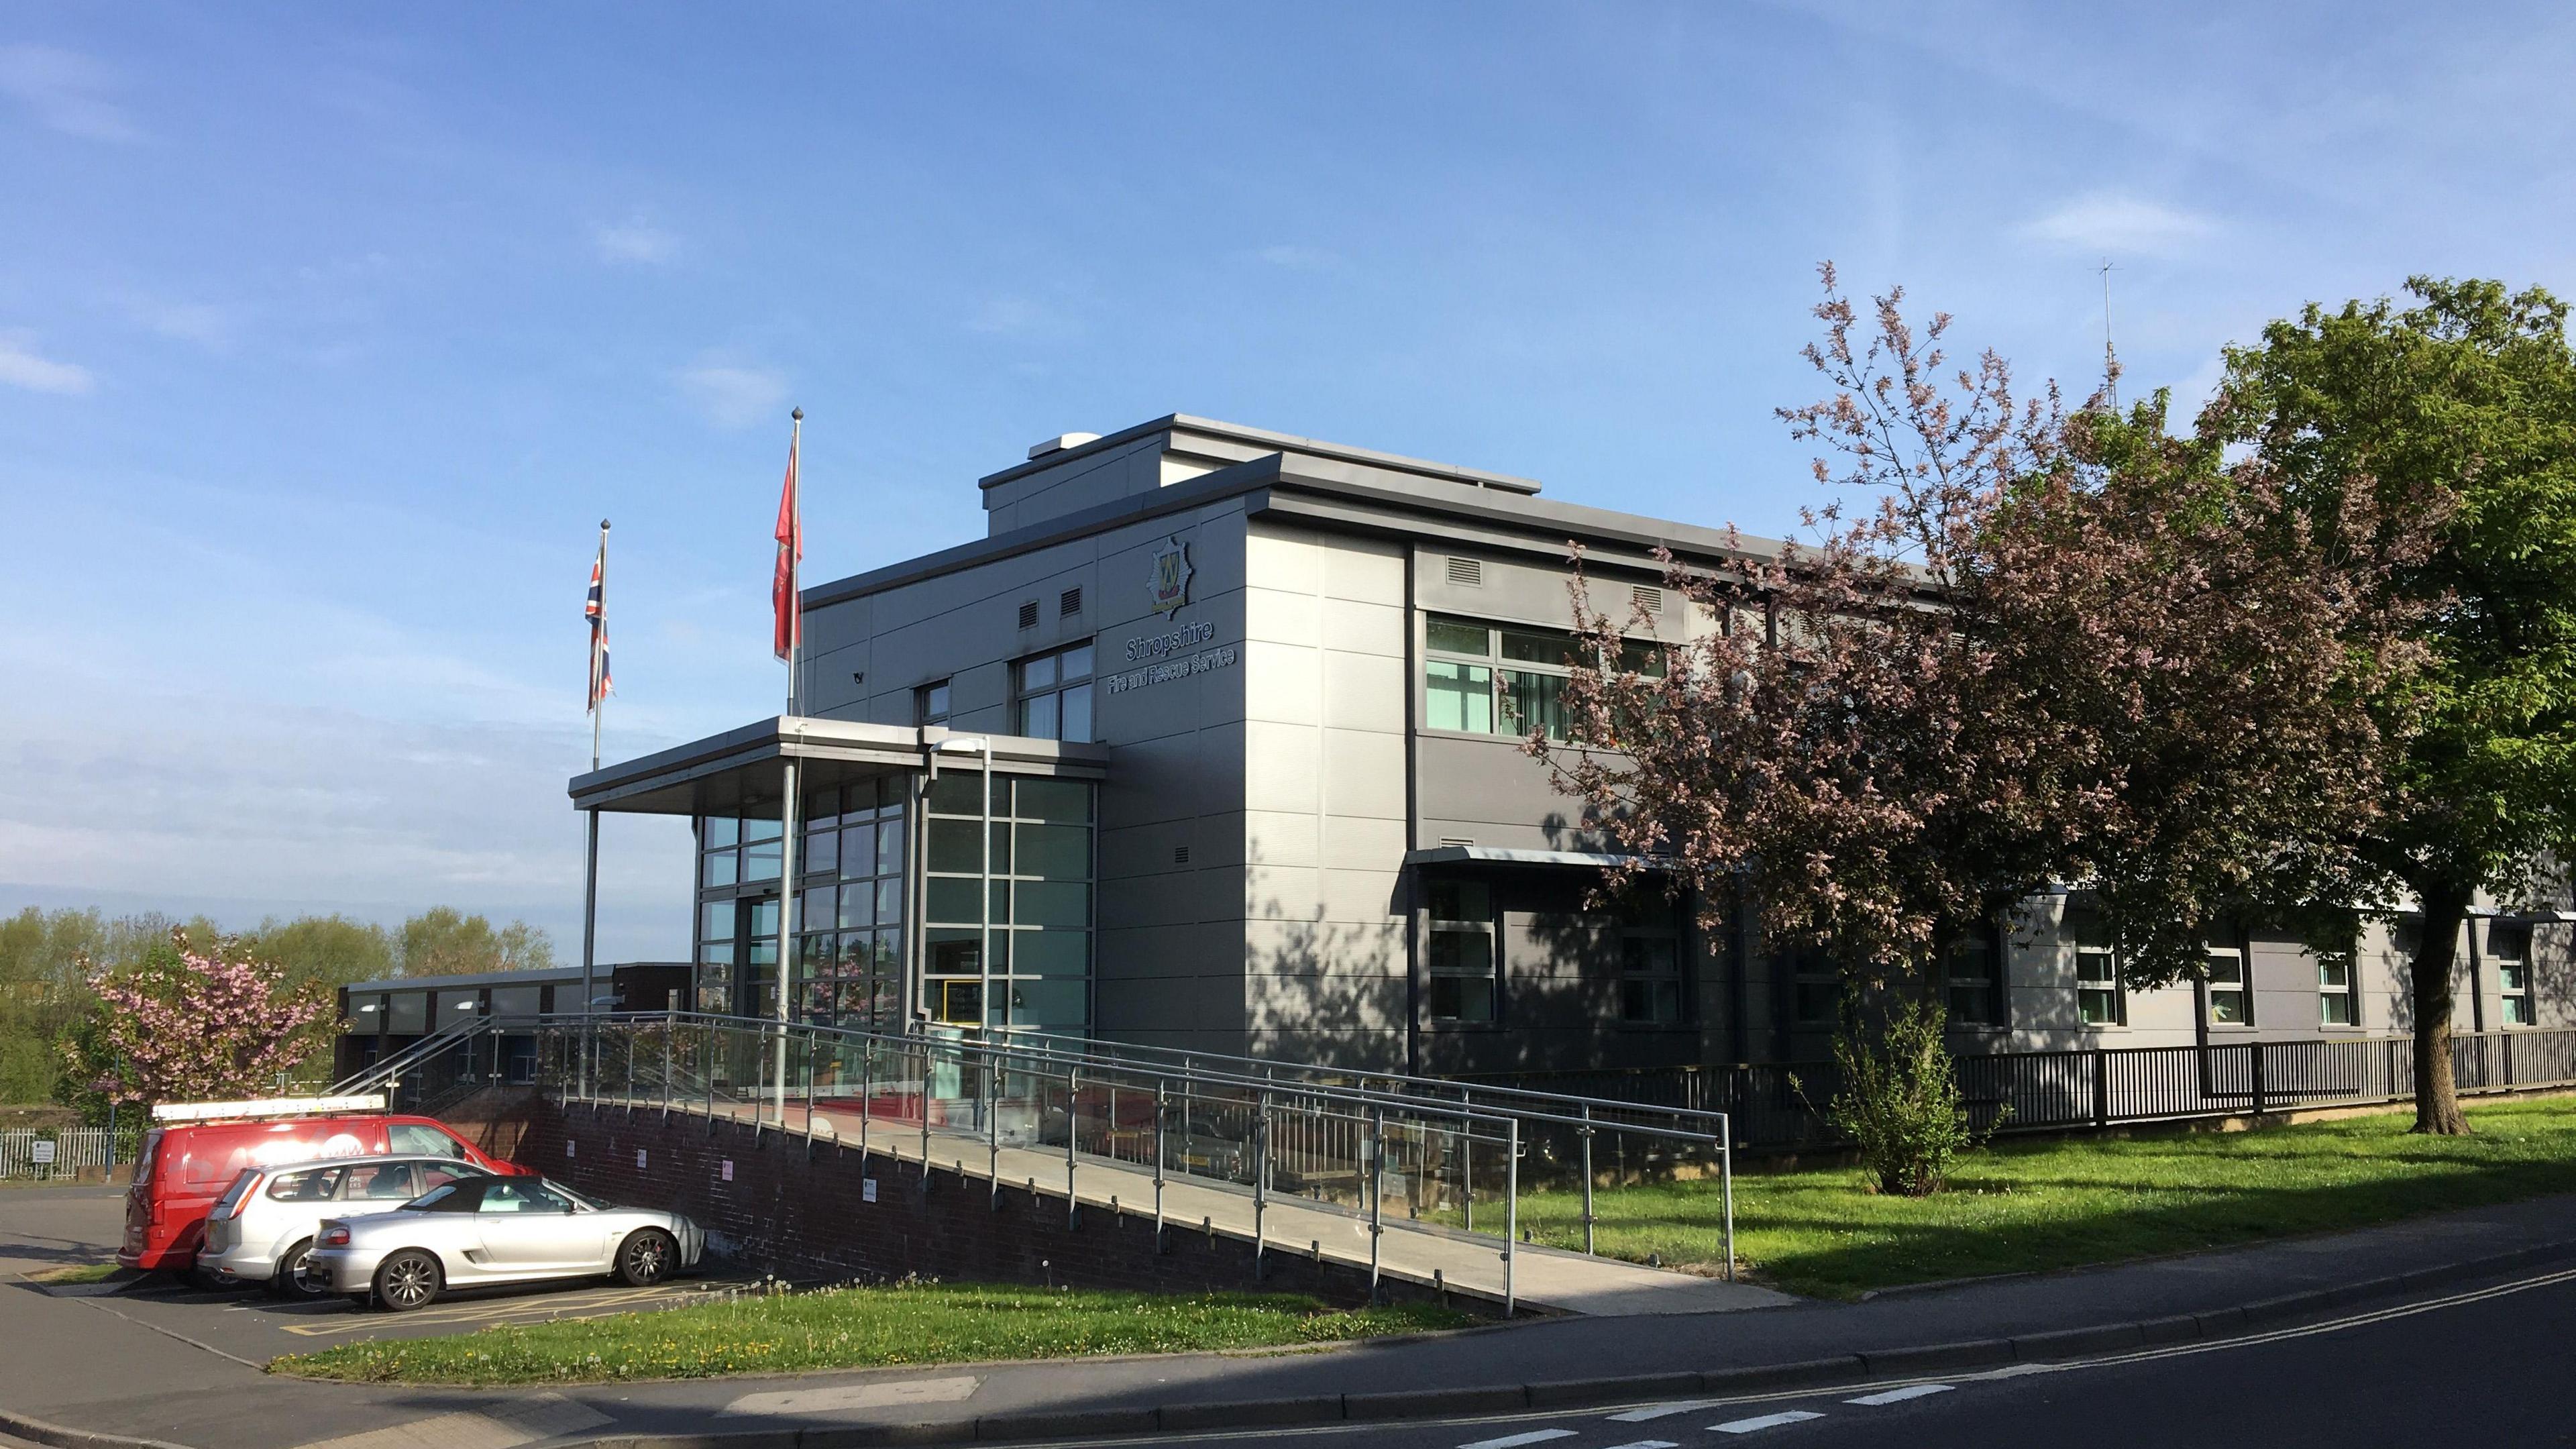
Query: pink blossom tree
[187,1025]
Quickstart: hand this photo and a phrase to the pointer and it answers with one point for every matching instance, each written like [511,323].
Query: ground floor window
[2098,998]
[2230,998]
[2334,991]
[1650,962]
[2509,943]
[1007,913]
[1973,982]
[1462,957]
[1816,988]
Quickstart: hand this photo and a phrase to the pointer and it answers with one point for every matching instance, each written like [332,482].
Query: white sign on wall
[639,1159]
[41,1154]
[728,1169]
[568,1146]
[867,1189]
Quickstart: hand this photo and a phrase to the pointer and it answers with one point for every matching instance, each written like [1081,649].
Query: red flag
[787,625]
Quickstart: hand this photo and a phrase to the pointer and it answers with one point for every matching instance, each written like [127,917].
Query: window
[1507,678]
[2099,1000]
[1462,958]
[1054,694]
[320,1184]
[455,1197]
[2334,991]
[2230,1001]
[509,1195]
[1011,909]
[383,1182]
[413,1139]
[1650,963]
[930,703]
[2509,942]
[1816,988]
[1975,992]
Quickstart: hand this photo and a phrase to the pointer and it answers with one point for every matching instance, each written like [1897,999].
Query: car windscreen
[583,1198]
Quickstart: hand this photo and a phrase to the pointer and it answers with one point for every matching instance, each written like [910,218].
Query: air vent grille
[1648,598]
[1029,614]
[1467,571]
[1069,603]
[1180,855]
[1457,840]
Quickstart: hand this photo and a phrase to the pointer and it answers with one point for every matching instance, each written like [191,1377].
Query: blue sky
[328,333]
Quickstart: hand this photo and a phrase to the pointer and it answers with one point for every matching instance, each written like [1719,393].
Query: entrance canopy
[742,771]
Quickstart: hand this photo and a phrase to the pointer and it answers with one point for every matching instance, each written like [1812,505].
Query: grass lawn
[908,1323]
[2062,1203]
[80,1273]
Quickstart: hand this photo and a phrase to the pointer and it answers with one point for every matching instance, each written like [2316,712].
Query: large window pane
[1534,702]
[763,827]
[952,952]
[859,852]
[760,861]
[1459,697]
[817,908]
[715,921]
[722,830]
[1057,1005]
[958,792]
[719,868]
[1052,903]
[1458,636]
[1038,673]
[953,848]
[1055,852]
[858,905]
[1076,717]
[952,898]
[889,900]
[1037,717]
[1538,646]
[1051,953]
[822,852]
[1077,662]
[889,846]
[1062,802]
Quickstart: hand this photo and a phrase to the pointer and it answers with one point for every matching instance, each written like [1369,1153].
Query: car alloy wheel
[647,1258]
[407,1280]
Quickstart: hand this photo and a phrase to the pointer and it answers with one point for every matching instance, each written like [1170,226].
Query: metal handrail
[1365,1105]
[377,1074]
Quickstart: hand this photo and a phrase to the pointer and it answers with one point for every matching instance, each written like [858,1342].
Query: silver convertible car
[494,1230]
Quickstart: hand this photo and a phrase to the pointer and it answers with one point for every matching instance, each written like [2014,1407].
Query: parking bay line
[1659,1411]
[1767,1421]
[1515,1441]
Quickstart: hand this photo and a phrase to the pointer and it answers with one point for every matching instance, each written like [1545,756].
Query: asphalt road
[2485,1369]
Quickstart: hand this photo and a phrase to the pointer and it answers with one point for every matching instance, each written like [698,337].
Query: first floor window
[1650,964]
[2098,1000]
[2509,942]
[2334,991]
[930,703]
[1462,955]
[2230,1002]
[1055,694]
[1459,697]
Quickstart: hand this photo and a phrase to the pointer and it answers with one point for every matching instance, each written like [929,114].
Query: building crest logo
[1169,583]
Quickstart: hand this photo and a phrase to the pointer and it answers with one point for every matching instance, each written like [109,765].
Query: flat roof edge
[1265,438]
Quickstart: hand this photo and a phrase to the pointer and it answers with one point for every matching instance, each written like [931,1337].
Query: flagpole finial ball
[798,415]
[603,525]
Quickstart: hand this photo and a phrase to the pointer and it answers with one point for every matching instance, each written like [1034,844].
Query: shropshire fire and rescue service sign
[1174,653]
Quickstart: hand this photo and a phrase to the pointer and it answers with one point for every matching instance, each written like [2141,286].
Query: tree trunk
[2437,1096]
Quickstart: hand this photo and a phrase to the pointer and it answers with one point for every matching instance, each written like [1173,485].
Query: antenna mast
[2110,360]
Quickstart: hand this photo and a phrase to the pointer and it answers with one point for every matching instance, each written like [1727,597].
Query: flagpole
[590,849]
[790,808]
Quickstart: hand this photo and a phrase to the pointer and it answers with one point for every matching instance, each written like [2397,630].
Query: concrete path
[1545,1279]
[69,1362]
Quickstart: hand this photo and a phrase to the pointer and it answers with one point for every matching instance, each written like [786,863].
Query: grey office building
[1213,741]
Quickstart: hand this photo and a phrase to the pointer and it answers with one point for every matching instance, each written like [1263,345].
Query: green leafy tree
[2462,408]
[445,942]
[332,950]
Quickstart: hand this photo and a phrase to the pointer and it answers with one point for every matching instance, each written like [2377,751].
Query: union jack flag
[597,612]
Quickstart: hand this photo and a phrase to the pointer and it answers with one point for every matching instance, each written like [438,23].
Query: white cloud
[66,91]
[732,396]
[2106,221]
[22,366]
[634,241]
[1297,258]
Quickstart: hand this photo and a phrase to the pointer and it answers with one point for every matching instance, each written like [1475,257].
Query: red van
[185,1164]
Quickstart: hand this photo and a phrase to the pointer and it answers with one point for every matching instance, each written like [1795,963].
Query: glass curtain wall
[850,908]
[1011,910]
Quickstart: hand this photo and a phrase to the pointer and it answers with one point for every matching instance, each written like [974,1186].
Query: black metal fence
[1774,1105]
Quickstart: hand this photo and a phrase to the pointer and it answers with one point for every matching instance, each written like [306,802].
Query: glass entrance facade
[1006,939]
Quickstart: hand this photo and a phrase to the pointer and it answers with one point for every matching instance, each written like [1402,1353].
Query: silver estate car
[490,1230]
[264,1224]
